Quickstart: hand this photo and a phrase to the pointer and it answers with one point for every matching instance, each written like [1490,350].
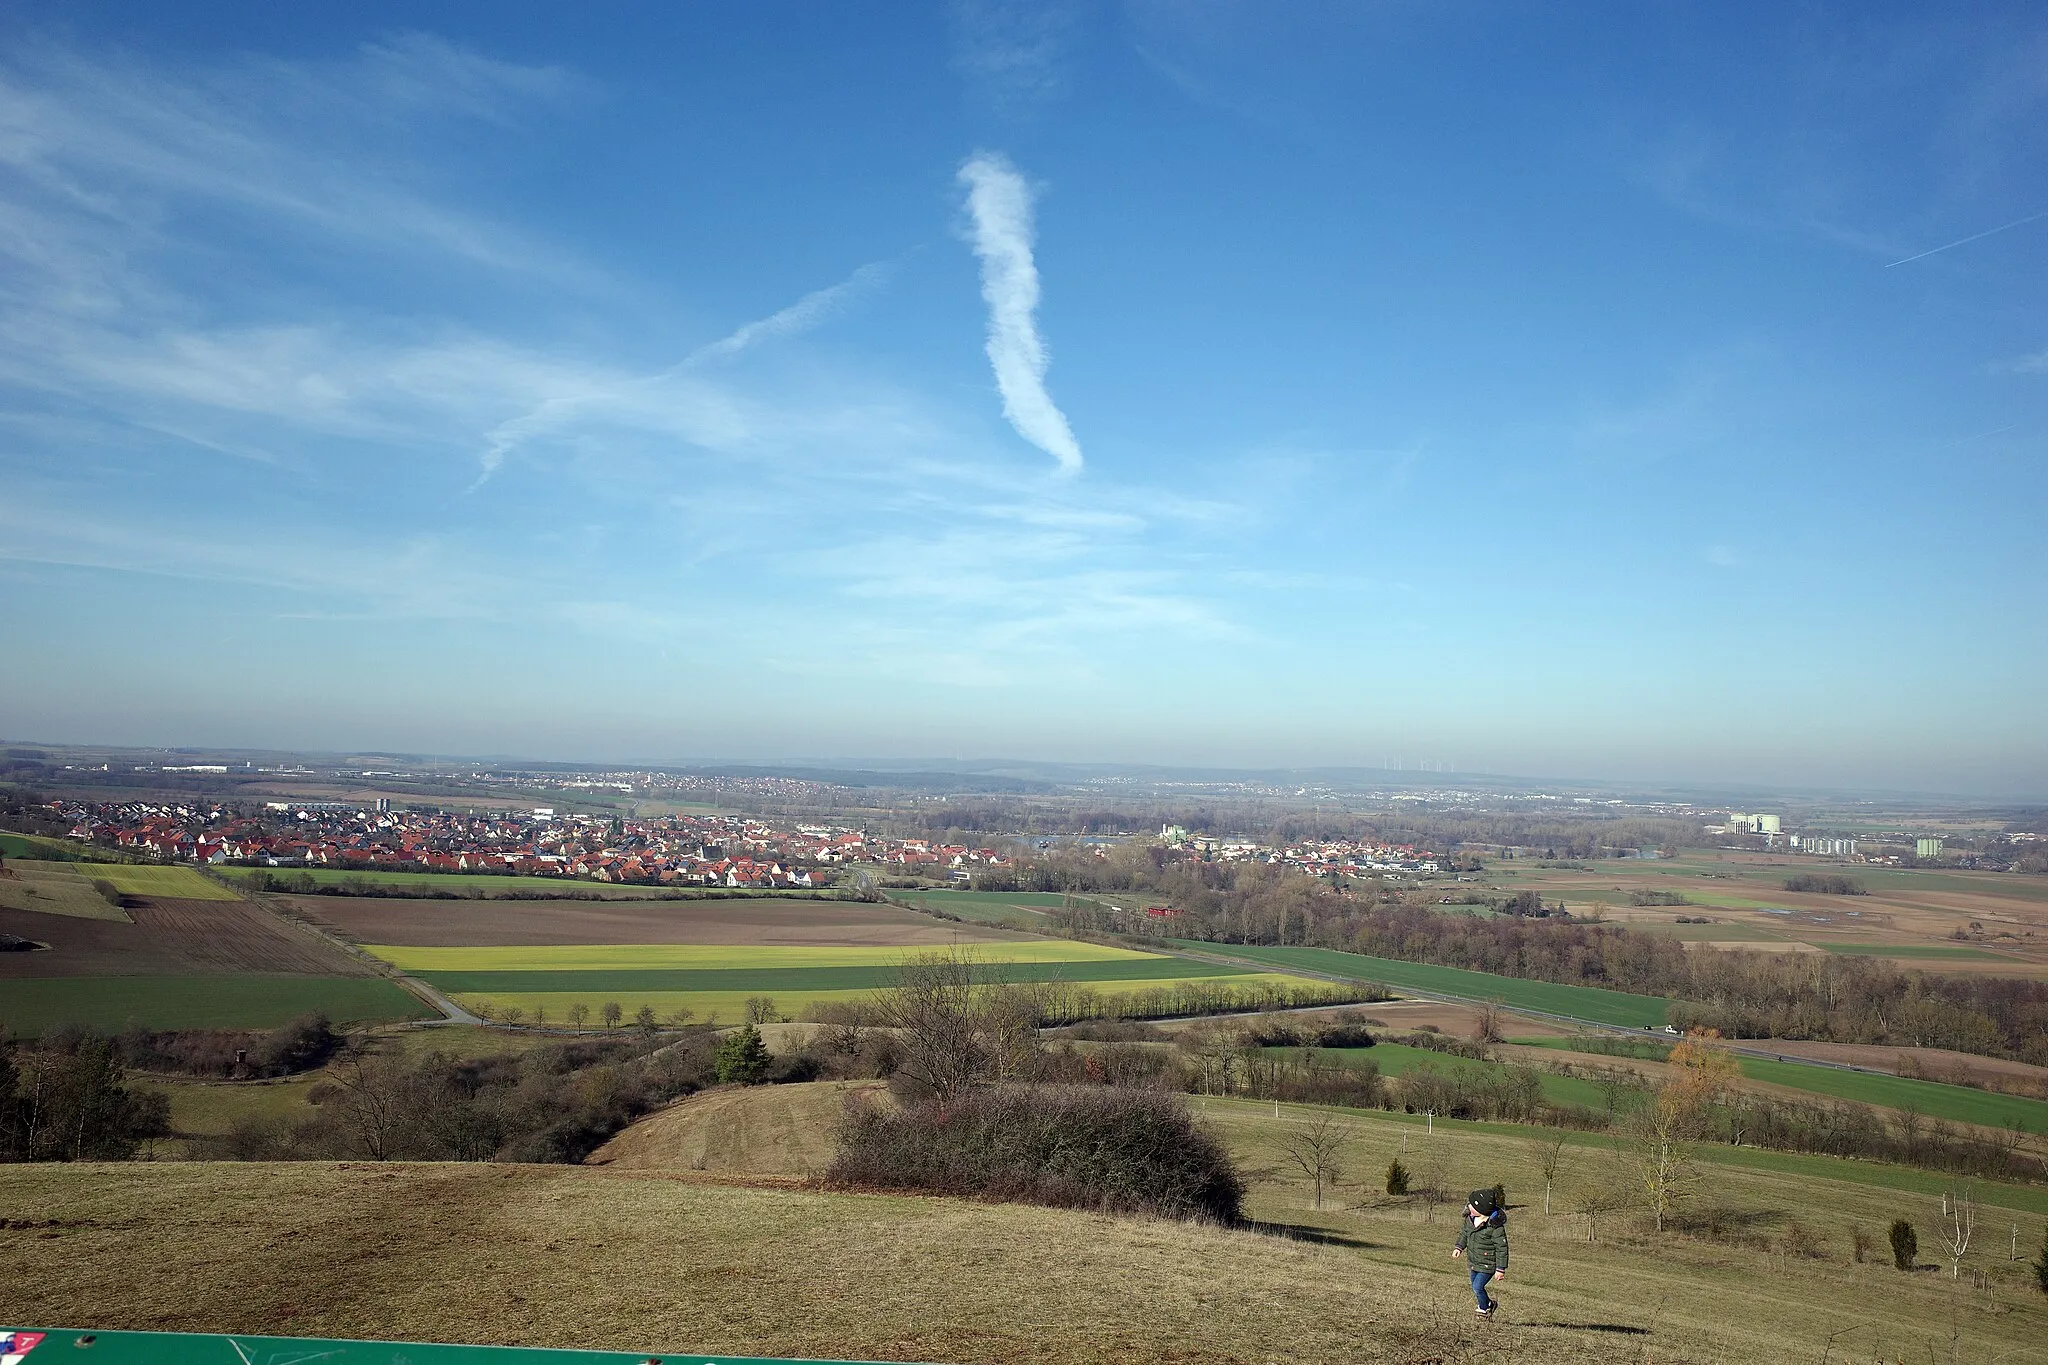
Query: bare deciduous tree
[1316,1147]
[957,1029]
[1486,1025]
[1549,1161]
[1958,1224]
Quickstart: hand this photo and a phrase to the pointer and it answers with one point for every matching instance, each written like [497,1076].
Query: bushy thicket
[305,1043]
[63,1099]
[552,1104]
[1824,884]
[1113,1149]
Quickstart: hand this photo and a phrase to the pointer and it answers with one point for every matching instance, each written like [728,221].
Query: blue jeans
[1479,1279]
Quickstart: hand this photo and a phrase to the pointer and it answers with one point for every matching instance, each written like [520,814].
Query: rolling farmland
[719,979]
[1579,1002]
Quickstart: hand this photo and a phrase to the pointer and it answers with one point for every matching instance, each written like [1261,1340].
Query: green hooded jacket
[1485,1246]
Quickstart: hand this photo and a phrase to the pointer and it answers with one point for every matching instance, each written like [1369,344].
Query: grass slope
[655,1260]
[242,1000]
[1578,1002]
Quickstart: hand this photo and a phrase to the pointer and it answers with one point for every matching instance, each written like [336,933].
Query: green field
[1578,1002]
[491,883]
[242,1000]
[1959,1103]
[37,846]
[1398,1059]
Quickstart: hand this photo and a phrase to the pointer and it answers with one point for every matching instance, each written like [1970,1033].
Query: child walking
[1483,1242]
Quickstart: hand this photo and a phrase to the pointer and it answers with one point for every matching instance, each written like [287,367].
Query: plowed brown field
[171,938]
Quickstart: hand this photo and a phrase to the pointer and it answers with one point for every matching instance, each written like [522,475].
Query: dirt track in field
[800,923]
[171,938]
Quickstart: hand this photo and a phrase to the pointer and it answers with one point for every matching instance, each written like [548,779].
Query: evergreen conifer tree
[742,1057]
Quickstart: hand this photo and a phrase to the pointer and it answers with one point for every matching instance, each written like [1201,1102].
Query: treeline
[1825,884]
[65,1098]
[1843,999]
[303,1044]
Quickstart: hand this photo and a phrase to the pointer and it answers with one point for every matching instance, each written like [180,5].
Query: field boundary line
[420,990]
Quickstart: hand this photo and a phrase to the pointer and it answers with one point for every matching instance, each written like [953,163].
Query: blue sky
[1608,390]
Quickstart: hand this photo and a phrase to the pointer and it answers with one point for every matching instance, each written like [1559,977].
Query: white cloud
[1000,203]
[814,308]
[2037,363]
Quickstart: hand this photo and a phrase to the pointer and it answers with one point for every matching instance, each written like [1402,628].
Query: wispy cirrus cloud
[1000,203]
[1012,51]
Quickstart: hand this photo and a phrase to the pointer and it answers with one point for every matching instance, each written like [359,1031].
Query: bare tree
[1958,1224]
[957,1031]
[1549,1161]
[1657,1134]
[578,1014]
[1315,1148]
[761,1010]
[1486,1024]
[612,1013]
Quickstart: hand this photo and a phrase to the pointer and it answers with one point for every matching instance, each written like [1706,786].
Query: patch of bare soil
[466,924]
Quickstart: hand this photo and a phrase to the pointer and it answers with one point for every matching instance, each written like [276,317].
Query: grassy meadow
[243,1000]
[1578,1002]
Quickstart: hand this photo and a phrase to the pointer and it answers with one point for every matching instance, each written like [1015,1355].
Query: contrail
[2018,222]
[999,201]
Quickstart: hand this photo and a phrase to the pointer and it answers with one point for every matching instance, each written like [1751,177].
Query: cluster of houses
[682,850]
[1342,858]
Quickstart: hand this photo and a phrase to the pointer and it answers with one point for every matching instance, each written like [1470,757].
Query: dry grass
[783,1130]
[647,1260]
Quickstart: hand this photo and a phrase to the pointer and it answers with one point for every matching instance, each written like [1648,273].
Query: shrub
[1905,1244]
[108,892]
[1397,1177]
[2041,1266]
[1861,1243]
[1093,1147]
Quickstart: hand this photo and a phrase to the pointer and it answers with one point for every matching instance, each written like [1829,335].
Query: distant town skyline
[1642,394]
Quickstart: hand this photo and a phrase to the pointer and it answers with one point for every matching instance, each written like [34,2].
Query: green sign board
[62,1346]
